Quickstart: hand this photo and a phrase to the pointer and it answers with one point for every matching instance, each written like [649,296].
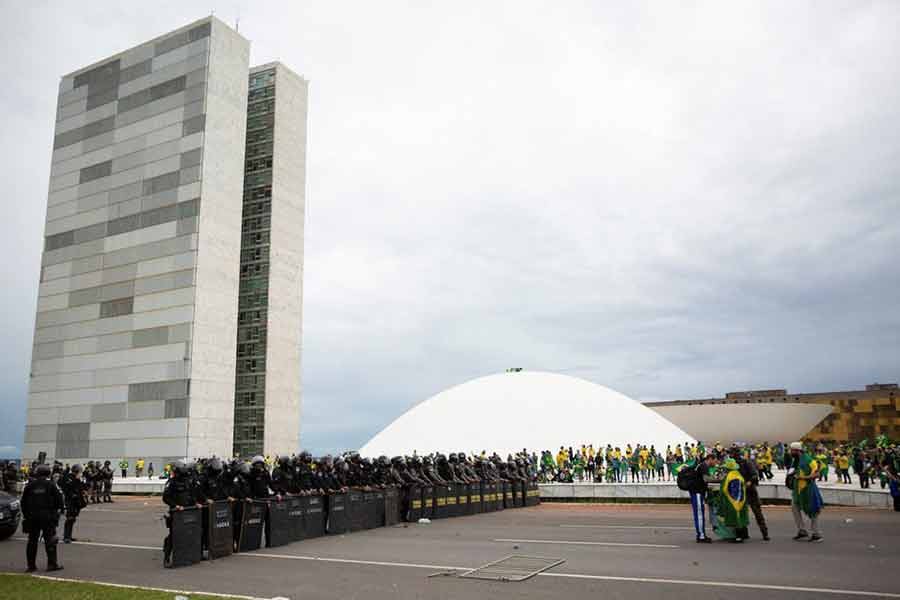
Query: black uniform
[75,494]
[42,503]
[181,490]
[237,480]
[260,482]
[282,477]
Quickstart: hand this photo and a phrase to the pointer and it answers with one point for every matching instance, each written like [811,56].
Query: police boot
[67,531]
[52,564]
[167,552]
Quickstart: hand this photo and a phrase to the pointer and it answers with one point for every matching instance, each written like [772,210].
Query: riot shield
[295,509]
[475,498]
[427,501]
[375,505]
[487,496]
[391,506]
[515,487]
[278,531]
[462,499]
[440,501]
[413,504]
[252,527]
[355,511]
[452,506]
[336,522]
[221,541]
[187,534]
[506,500]
[314,516]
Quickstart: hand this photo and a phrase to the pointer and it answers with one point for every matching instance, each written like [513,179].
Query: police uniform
[75,495]
[42,502]
[180,491]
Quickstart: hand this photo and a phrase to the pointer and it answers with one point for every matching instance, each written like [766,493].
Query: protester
[693,477]
[805,496]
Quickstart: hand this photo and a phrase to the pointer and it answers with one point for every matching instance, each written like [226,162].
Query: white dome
[534,410]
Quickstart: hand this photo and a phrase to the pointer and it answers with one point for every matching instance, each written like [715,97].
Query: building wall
[218,254]
[130,251]
[856,414]
[267,388]
[283,352]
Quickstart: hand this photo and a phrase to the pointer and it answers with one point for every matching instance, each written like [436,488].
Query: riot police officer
[282,476]
[75,495]
[181,491]
[238,478]
[260,481]
[106,474]
[42,505]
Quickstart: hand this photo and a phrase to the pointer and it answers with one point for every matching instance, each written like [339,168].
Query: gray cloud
[672,201]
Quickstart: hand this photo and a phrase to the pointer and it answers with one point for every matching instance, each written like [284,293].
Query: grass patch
[25,587]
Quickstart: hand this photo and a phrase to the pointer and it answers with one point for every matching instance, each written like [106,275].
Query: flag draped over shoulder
[806,492]
[732,508]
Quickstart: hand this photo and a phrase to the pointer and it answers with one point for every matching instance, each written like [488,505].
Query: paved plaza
[610,552]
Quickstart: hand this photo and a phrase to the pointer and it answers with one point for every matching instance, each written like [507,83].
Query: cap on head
[796,446]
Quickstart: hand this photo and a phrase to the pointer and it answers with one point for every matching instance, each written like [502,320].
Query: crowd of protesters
[872,464]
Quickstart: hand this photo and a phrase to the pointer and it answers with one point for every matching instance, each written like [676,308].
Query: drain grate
[513,568]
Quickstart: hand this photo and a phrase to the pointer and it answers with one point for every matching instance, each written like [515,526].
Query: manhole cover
[513,568]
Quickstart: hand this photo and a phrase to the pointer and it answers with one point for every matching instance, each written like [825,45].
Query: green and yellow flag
[733,497]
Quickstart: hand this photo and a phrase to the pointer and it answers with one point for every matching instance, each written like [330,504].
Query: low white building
[507,412]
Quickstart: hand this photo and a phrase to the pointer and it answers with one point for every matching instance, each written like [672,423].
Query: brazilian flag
[806,493]
[731,509]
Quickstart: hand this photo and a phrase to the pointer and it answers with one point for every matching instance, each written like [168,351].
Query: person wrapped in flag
[730,504]
[805,496]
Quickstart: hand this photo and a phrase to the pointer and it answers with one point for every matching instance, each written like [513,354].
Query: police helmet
[214,465]
[257,460]
[76,469]
[180,467]
[243,468]
[42,471]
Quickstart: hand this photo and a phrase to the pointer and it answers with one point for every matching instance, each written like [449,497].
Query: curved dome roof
[510,411]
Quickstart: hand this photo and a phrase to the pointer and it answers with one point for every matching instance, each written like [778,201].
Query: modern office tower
[135,336]
[267,383]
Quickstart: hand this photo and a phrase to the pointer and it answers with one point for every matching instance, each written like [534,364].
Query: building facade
[267,383]
[136,333]
[855,415]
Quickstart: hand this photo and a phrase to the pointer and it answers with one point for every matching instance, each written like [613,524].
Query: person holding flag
[729,505]
[805,497]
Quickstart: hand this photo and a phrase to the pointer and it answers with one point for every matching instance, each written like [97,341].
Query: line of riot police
[218,507]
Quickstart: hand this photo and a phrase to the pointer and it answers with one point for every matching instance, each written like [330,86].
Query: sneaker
[704,540]
[766,537]
[54,568]
[31,569]
[800,535]
[815,538]
[737,541]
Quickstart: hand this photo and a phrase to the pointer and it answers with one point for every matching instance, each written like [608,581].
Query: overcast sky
[675,200]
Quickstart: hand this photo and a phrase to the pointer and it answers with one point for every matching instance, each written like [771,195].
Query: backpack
[686,478]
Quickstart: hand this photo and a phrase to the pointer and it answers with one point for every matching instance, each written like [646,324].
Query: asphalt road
[610,552]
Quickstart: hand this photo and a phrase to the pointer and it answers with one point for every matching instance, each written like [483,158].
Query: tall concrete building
[267,385]
[135,345]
